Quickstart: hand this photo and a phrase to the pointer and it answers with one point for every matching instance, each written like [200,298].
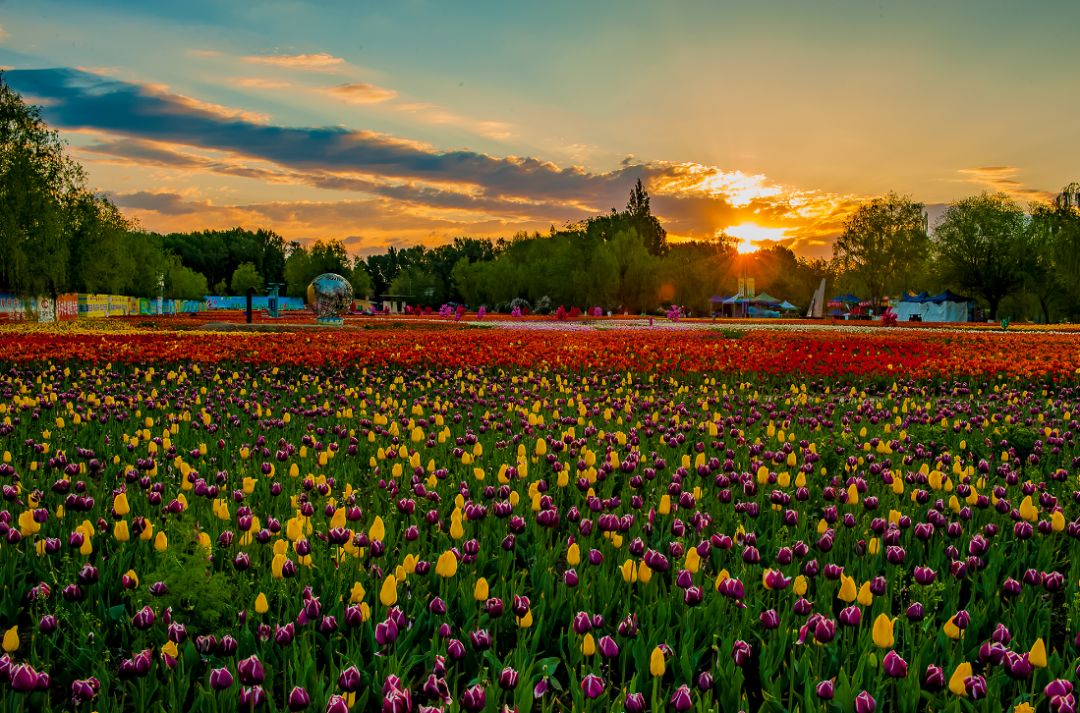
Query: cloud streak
[314,62]
[1002,179]
[360,93]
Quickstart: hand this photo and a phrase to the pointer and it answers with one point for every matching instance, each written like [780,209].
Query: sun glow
[751,236]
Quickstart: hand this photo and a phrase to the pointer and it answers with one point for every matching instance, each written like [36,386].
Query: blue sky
[408,122]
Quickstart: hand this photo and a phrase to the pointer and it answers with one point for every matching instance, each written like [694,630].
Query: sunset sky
[398,122]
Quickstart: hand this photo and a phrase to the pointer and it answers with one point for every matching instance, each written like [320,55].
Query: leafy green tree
[183,283]
[642,220]
[297,271]
[360,280]
[100,259]
[981,246]
[1053,268]
[246,277]
[151,263]
[884,246]
[38,182]
[416,285]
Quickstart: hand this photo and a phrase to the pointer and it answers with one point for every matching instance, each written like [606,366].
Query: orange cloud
[360,93]
[1001,179]
[260,83]
[318,61]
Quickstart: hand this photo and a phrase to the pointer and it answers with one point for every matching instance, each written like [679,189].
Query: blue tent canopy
[848,298]
[947,296]
[921,297]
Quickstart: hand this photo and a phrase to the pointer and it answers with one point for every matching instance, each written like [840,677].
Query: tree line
[1016,260]
[57,235]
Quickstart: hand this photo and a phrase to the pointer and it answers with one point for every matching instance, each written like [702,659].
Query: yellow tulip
[377,530]
[11,640]
[120,504]
[693,560]
[121,532]
[161,542]
[573,555]
[1037,655]
[883,632]
[277,566]
[588,645]
[848,592]
[526,621]
[956,681]
[657,666]
[799,586]
[629,571]
[866,597]
[357,593]
[952,630]
[447,565]
[388,591]
[480,591]
[169,648]
[1028,511]
[261,605]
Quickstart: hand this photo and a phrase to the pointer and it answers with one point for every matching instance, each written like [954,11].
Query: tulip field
[433,516]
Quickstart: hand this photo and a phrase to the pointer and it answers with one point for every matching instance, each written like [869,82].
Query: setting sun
[751,236]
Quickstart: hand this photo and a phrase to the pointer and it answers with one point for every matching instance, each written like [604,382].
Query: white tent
[946,307]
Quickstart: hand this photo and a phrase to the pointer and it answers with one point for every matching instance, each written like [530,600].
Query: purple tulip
[284,635]
[924,575]
[607,647]
[1063,704]
[1018,666]
[47,624]
[23,678]
[975,687]
[250,671]
[635,703]
[894,665]
[592,685]
[681,700]
[1001,635]
[508,679]
[769,619]
[826,690]
[386,632]
[474,699]
[825,630]
[850,616]
[934,679]
[336,704]
[84,689]
[221,679]
[693,596]
[349,680]
[865,703]
[455,649]
[299,699]
[143,619]
[741,652]
[251,698]
[481,639]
